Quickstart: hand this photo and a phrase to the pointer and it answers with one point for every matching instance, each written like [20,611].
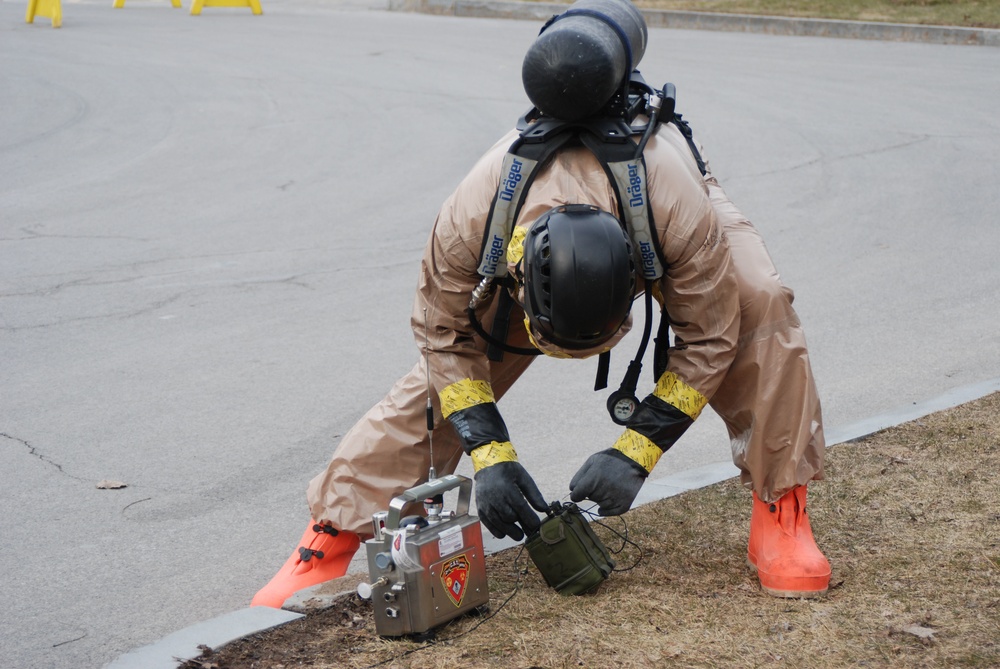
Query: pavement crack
[32,451]
[31,234]
[126,507]
[63,643]
[122,315]
[833,159]
[48,291]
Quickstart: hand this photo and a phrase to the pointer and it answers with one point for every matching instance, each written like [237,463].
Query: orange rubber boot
[782,548]
[323,554]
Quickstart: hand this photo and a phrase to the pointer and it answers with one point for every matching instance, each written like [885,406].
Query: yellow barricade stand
[196,5]
[50,9]
[118,4]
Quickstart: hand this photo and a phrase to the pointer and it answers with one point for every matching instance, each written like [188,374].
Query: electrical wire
[621,534]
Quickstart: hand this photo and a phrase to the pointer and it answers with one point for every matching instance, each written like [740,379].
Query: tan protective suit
[741,344]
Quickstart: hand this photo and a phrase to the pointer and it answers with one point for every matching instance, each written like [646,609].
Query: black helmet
[579,276]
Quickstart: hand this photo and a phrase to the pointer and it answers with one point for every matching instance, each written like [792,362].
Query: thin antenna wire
[432,473]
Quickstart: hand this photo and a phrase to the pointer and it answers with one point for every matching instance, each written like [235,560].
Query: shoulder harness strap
[685,129]
[609,139]
[518,170]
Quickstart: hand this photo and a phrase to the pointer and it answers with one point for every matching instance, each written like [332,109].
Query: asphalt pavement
[210,229]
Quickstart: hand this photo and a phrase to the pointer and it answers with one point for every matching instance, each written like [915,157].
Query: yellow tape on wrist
[678,394]
[492,453]
[464,394]
[639,448]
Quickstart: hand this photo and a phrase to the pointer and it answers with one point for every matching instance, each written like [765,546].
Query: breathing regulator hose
[482,291]
[653,107]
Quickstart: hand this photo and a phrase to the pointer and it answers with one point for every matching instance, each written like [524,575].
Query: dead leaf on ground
[920,632]
[108,484]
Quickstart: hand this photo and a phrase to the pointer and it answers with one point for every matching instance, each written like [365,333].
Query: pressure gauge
[622,406]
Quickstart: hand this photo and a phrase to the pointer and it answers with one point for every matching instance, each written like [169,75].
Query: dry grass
[910,519]
[967,13]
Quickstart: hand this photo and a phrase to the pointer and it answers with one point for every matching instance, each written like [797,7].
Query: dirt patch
[909,517]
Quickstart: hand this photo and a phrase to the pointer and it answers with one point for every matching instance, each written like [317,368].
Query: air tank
[575,66]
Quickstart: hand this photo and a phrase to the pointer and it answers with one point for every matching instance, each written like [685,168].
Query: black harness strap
[603,367]
[661,345]
[627,174]
[501,322]
[685,129]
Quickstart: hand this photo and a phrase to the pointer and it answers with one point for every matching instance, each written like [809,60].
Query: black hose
[490,339]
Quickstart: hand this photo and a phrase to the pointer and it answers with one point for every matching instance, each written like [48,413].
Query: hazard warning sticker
[454,578]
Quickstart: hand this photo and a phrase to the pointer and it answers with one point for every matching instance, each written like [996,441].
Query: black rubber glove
[503,493]
[610,478]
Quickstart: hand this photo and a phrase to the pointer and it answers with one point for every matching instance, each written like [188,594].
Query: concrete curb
[180,646]
[215,633]
[771,25]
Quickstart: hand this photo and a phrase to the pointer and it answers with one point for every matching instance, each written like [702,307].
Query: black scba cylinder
[581,59]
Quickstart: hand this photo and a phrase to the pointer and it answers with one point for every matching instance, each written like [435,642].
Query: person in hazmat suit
[573,268]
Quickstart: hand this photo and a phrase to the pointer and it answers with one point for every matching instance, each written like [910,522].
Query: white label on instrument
[399,552]
[450,541]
